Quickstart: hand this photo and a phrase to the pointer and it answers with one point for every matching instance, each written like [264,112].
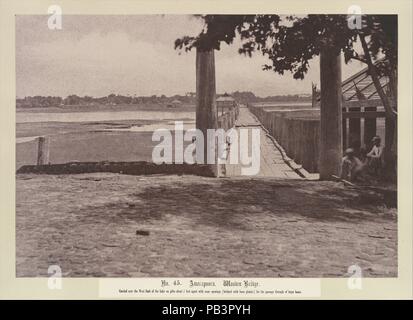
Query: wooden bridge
[273,160]
[297,129]
[338,108]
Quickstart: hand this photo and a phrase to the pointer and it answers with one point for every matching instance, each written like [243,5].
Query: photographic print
[206,145]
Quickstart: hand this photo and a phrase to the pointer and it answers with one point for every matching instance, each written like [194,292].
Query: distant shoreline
[104,107]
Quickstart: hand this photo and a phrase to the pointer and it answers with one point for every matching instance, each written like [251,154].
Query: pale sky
[99,55]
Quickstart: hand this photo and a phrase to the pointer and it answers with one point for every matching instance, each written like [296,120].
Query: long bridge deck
[272,163]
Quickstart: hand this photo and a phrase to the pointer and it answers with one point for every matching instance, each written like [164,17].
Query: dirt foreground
[111,225]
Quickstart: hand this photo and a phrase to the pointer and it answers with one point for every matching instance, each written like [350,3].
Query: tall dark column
[206,109]
[330,114]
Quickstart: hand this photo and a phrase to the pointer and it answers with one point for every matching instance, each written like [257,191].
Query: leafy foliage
[291,41]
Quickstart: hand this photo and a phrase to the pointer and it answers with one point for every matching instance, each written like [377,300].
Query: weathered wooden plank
[370,127]
[354,129]
[363,103]
[365,114]
[344,128]
[43,151]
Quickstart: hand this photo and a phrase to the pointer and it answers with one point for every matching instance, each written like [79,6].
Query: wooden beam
[43,151]
[389,133]
[330,114]
[365,114]
[370,127]
[363,103]
[375,92]
[344,127]
[361,90]
[350,87]
[354,129]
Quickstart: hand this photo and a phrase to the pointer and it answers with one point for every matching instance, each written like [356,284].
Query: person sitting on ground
[351,166]
[375,155]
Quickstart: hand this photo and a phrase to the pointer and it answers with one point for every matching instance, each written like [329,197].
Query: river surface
[26,117]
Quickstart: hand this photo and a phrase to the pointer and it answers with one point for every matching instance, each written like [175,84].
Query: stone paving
[114,225]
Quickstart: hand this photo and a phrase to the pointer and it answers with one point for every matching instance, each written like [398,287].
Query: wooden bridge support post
[389,133]
[370,128]
[43,151]
[354,130]
[331,142]
[344,127]
[206,109]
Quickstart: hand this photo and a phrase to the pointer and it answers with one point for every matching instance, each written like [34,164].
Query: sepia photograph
[209,145]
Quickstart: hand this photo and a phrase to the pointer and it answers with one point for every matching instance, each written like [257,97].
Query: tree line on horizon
[113,99]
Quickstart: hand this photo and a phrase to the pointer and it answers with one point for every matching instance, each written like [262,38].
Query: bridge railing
[297,128]
[297,131]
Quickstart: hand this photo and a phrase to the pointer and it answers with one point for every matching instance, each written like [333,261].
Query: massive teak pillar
[331,114]
[206,109]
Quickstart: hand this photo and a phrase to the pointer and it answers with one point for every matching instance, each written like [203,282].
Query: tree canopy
[291,41]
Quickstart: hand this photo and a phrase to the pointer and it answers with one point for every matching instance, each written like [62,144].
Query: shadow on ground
[221,204]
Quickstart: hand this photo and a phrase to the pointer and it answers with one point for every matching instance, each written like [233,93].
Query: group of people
[354,166]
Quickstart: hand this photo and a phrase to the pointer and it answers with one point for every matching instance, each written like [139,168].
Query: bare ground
[192,226]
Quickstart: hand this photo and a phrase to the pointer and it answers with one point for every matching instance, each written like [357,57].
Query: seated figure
[375,156]
[351,166]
